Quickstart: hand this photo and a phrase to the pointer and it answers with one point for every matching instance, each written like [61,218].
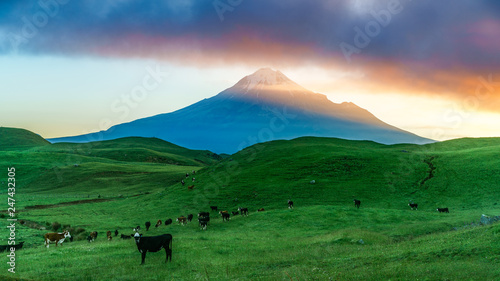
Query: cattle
[9,247]
[443,210]
[413,206]
[203,221]
[243,211]
[225,216]
[126,236]
[191,187]
[182,182]
[187,175]
[154,244]
[169,221]
[108,234]
[235,213]
[190,217]
[203,214]
[214,208]
[261,210]
[192,179]
[148,225]
[181,220]
[194,172]
[137,228]
[93,236]
[158,223]
[57,238]
[290,204]
[357,203]
[116,232]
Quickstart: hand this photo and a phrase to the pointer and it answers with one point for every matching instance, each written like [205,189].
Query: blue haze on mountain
[261,107]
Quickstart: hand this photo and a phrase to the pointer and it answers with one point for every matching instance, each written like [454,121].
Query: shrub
[55,226]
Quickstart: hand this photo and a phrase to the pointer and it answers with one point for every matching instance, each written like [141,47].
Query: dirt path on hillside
[37,207]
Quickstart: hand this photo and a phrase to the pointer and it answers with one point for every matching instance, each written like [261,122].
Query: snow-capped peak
[264,77]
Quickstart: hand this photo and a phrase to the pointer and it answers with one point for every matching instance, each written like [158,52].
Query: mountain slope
[261,107]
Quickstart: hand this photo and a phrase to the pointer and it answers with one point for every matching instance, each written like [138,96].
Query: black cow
[214,208]
[413,206]
[182,182]
[357,203]
[443,210]
[7,247]
[243,211]
[116,232]
[190,217]
[148,225]
[203,214]
[126,236]
[235,213]
[154,244]
[290,204]
[225,215]
[169,221]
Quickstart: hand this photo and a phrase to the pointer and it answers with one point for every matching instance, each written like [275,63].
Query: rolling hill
[14,138]
[261,107]
[324,237]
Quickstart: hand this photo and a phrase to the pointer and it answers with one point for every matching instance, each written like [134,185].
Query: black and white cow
[243,211]
[290,204]
[413,206]
[154,244]
[148,225]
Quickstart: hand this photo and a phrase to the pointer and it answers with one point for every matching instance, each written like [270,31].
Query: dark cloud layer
[419,36]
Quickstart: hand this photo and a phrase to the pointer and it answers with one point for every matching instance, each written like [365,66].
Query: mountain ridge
[260,107]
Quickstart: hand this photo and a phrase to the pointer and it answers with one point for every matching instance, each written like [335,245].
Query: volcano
[263,106]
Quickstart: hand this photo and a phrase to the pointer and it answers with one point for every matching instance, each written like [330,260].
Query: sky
[71,67]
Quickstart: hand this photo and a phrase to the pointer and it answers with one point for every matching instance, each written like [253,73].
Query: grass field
[324,237]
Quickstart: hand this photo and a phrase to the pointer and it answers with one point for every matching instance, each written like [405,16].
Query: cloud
[428,46]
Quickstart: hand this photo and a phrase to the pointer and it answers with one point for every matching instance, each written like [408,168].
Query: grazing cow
[443,210]
[187,175]
[261,210]
[214,208]
[413,206]
[148,225]
[203,214]
[290,204]
[89,238]
[137,228]
[194,172]
[191,187]
[169,221]
[126,236]
[182,182]
[181,220]
[235,213]
[116,232]
[93,236]
[243,211]
[190,217]
[108,234]
[192,179]
[357,203]
[203,222]
[57,238]
[158,223]
[225,216]
[154,244]
[8,247]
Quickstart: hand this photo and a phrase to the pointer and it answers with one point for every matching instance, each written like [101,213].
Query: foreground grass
[283,244]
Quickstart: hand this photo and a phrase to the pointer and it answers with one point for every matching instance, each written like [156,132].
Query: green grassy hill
[323,238]
[13,138]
